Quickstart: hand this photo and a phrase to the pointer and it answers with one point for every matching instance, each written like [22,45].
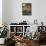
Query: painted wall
[0,13]
[13,11]
[4,11]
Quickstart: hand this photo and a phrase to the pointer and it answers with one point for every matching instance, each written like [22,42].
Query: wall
[16,11]
[4,11]
[13,11]
[0,13]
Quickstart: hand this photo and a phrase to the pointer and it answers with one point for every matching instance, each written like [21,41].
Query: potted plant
[3,34]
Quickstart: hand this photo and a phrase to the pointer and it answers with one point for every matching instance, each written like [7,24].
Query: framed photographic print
[26,9]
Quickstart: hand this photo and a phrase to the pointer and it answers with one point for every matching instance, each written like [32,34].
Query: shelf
[19,32]
[19,25]
[17,28]
[16,32]
[12,32]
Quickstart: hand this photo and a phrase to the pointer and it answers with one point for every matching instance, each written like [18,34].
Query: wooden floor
[1,45]
[34,44]
[42,45]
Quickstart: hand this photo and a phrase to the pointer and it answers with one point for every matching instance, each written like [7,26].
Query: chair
[42,37]
[9,42]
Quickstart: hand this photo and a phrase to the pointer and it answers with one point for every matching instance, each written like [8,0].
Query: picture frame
[26,9]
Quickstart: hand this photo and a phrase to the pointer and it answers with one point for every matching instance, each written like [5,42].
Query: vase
[2,40]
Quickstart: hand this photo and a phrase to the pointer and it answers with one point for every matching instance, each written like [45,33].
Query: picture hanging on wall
[26,9]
